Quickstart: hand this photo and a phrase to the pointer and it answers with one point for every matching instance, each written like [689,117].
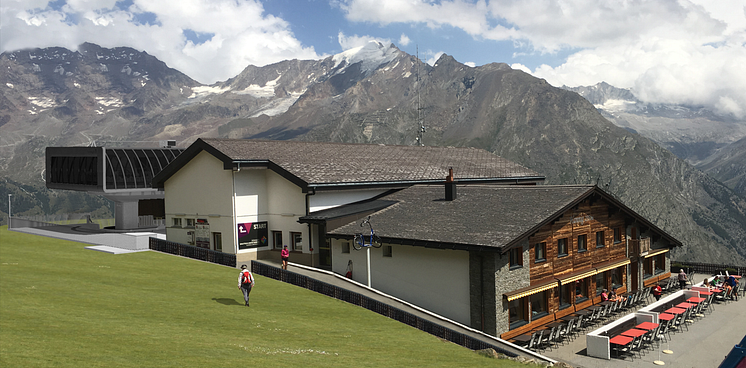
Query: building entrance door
[635,278]
[325,249]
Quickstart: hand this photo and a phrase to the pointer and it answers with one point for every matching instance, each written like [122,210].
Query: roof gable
[323,165]
[496,217]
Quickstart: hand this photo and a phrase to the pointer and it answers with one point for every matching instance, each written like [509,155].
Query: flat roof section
[105,170]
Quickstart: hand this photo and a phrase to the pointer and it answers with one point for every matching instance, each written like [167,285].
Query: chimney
[450,186]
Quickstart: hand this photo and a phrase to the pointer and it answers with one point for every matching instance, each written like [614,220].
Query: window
[647,268]
[660,263]
[387,251]
[562,247]
[617,235]
[297,239]
[581,290]
[516,257]
[190,222]
[582,243]
[566,296]
[540,250]
[345,247]
[277,239]
[600,282]
[538,305]
[517,312]
[616,277]
[217,241]
[600,242]
[176,222]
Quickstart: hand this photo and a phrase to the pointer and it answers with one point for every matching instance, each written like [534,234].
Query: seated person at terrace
[604,296]
[613,297]
[715,281]
[706,283]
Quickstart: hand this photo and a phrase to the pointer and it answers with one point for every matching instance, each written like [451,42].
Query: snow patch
[255,90]
[615,105]
[109,101]
[42,102]
[203,91]
[372,55]
[279,105]
[76,84]
[10,85]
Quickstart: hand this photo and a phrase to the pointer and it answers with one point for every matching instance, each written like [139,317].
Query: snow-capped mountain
[367,95]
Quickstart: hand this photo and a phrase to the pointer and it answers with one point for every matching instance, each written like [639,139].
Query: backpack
[246,277]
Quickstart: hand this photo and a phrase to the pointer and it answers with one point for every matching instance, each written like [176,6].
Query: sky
[690,52]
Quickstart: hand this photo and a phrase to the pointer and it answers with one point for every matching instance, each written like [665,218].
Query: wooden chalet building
[505,260]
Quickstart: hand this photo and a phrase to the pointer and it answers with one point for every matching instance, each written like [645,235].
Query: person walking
[284,255]
[682,279]
[657,290]
[245,283]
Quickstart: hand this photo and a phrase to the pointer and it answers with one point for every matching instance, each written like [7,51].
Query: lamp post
[9,195]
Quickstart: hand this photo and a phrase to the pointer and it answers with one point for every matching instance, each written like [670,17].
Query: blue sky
[667,51]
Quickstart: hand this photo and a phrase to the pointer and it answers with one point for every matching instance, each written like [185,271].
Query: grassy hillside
[64,306]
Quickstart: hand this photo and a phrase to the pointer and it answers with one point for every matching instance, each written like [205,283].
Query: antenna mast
[421,126]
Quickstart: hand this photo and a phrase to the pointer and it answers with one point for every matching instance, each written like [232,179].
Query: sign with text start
[252,234]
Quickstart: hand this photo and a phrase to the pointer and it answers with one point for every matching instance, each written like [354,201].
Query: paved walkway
[705,345]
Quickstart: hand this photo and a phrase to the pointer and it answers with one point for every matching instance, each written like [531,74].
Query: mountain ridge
[511,113]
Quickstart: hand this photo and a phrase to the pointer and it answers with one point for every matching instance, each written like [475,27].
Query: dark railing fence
[190,251]
[706,268]
[373,305]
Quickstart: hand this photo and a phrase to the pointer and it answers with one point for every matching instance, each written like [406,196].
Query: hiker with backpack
[245,283]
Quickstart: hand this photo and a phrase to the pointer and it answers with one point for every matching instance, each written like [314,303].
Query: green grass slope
[64,306]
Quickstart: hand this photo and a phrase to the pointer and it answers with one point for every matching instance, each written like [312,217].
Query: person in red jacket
[657,291]
[285,254]
[245,283]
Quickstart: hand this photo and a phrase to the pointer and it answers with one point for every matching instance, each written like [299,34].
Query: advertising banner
[252,234]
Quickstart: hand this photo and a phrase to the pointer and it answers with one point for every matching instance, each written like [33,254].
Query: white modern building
[250,197]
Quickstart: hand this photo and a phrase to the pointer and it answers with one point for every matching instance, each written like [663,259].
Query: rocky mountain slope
[695,134]
[373,94]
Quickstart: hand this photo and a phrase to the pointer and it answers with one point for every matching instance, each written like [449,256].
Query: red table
[716,290]
[634,332]
[695,299]
[620,340]
[666,316]
[685,305]
[675,310]
[705,293]
[650,326]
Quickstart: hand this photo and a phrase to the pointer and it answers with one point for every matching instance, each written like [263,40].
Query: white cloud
[350,42]
[685,51]
[404,40]
[434,56]
[242,33]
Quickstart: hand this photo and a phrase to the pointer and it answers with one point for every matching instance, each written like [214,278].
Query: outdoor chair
[532,341]
[561,334]
[547,340]
[708,304]
[651,337]
[623,351]
[576,322]
[664,328]
[536,338]
[684,321]
[636,346]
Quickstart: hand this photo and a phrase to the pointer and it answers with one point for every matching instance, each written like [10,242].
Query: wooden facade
[588,238]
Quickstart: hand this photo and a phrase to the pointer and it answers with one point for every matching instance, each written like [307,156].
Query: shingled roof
[329,165]
[487,217]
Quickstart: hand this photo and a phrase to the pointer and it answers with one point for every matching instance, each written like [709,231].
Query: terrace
[703,341]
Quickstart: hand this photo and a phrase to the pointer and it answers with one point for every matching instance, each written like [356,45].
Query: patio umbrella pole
[659,361]
[668,350]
